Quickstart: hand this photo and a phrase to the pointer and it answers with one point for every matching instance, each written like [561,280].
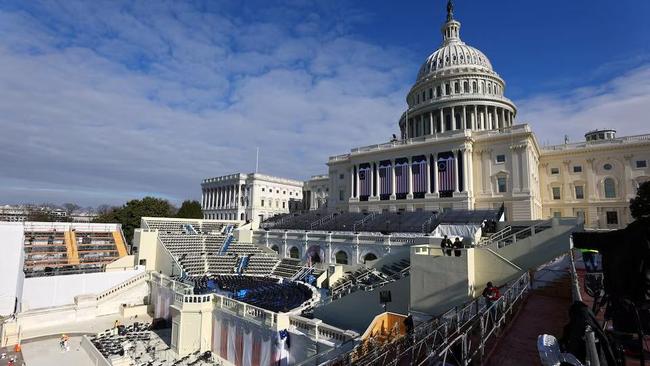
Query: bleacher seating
[260,265]
[70,248]
[403,222]
[287,268]
[297,221]
[367,278]
[341,221]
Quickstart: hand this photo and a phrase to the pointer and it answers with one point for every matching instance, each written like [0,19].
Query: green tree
[190,210]
[130,214]
[640,205]
[40,216]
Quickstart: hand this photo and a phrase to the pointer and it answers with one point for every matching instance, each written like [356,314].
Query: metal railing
[504,238]
[459,335]
[361,222]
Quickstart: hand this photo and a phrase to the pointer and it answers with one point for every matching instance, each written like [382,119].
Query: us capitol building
[461,147]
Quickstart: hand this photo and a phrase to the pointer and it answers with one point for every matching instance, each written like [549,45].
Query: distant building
[249,196]
[315,192]
[13,213]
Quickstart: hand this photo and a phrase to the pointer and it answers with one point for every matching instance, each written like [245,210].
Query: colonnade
[473,117]
[464,175]
[222,197]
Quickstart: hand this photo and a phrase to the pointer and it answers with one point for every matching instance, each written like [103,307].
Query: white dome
[453,53]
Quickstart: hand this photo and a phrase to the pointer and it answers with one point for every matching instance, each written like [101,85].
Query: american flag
[364,181]
[385,180]
[401,177]
[446,174]
[419,171]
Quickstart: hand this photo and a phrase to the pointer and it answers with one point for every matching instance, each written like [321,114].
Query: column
[352,181]
[470,171]
[465,171]
[393,186]
[431,130]
[217,197]
[464,119]
[525,170]
[515,169]
[410,177]
[453,119]
[372,180]
[503,118]
[376,178]
[456,172]
[428,173]
[356,175]
[442,121]
[495,119]
[435,173]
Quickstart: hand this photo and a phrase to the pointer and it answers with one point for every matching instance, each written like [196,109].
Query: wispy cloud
[119,99]
[620,103]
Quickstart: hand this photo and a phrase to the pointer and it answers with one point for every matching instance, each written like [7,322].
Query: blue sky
[104,101]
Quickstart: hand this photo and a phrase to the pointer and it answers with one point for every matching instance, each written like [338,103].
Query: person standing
[457,245]
[491,295]
[443,245]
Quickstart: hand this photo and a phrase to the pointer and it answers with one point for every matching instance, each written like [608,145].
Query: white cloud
[620,103]
[105,104]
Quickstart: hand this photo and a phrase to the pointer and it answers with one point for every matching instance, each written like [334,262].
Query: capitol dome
[453,54]
[456,89]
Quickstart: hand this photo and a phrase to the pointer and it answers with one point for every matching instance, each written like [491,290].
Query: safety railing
[467,329]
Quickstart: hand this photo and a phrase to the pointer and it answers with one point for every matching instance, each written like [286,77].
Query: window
[612,217]
[577,168]
[262,203]
[447,90]
[607,166]
[556,193]
[466,87]
[277,191]
[438,91]
[580,192]
[262,189]
[580,214]
[283,204]
[557,214]
[430,93]
[501,158]
[456,88]
[555,171]
[641,164]
[501,184]
[341,176]
[424,95]
[610,188]
[284,192]
[341,195]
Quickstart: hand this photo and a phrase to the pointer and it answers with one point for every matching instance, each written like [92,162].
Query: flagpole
[257,159]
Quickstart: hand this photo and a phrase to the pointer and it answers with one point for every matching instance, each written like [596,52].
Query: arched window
[294,253]
[474,87]
[369,257]
[275,248]
[457,88]
[341,257]
[610,188]
[466,87]
[241,216]
[438,91]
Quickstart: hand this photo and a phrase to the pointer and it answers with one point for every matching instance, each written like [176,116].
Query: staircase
[71,247]
[119,243]
[242,263]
